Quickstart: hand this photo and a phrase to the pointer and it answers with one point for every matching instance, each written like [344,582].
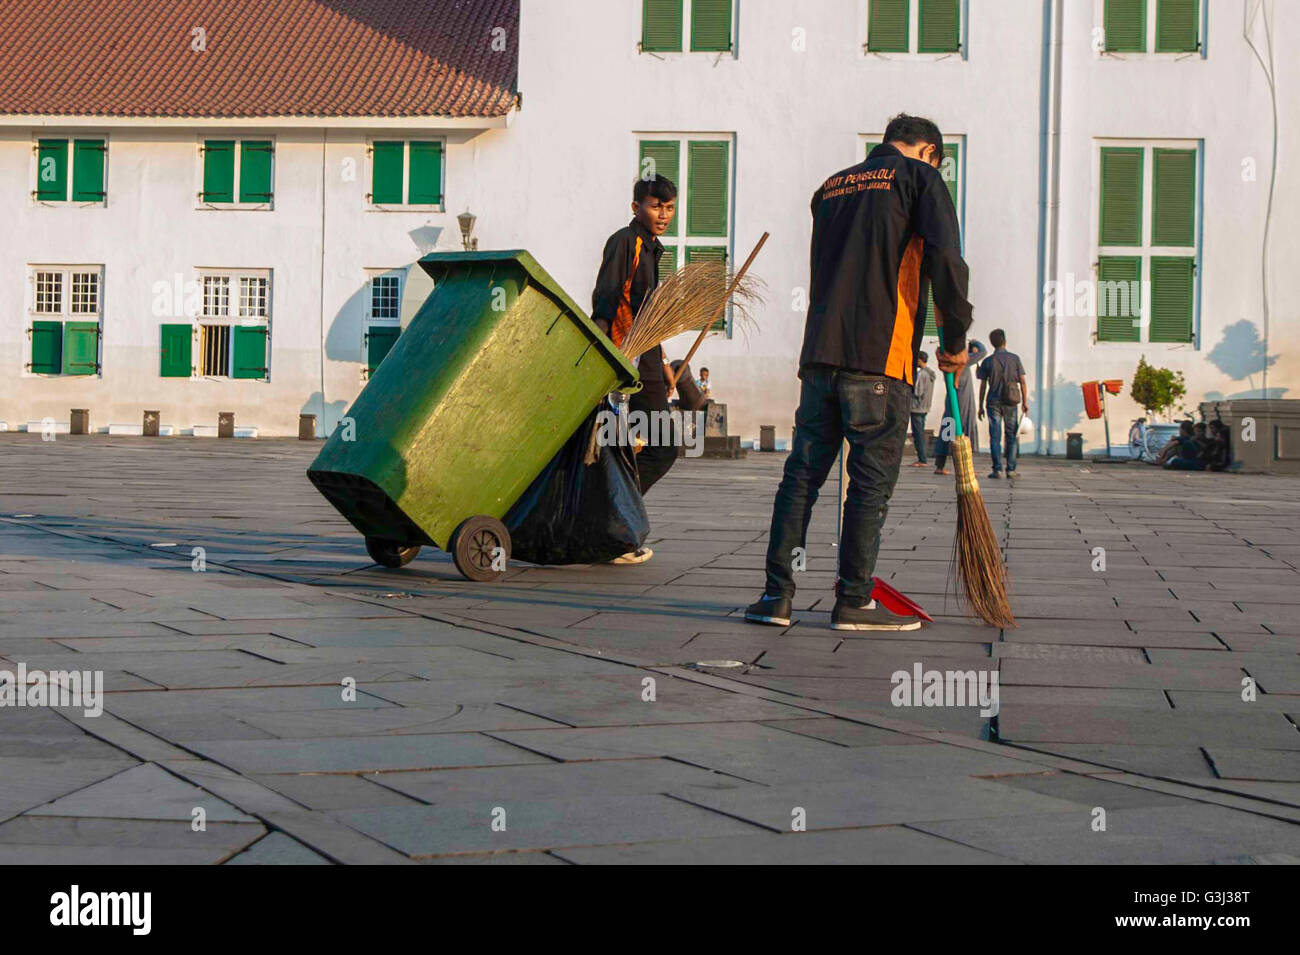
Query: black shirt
[884,231]
[615,268]
[999,368]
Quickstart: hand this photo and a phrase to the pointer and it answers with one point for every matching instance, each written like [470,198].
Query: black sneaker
[995,475]
[848,617]
[774,611]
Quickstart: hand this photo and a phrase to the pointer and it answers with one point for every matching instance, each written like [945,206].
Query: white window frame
[681,240]
[914,35]
[231,318]
[65,313]
[398,275]
[371,320]
[404,205]
[34,168]
[1146,250]
[267,205]
[718,55]
[1099,28]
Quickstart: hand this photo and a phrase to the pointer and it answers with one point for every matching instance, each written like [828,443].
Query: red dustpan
[896,602]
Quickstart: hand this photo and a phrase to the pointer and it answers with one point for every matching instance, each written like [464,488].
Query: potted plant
[1157,390]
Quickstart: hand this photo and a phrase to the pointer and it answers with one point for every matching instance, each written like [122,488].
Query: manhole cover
[720,664]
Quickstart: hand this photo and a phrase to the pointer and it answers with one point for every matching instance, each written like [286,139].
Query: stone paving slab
[141,792]
[884,845]
[278,849]
[227,687]
[575,821]
[359,754]
[1162,835]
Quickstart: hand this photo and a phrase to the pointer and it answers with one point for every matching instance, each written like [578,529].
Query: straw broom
[694,296]
[976,552]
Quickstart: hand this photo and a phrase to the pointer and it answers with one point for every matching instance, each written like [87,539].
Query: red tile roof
[263,57]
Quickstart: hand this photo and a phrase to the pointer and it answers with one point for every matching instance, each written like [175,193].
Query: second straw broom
[978,557]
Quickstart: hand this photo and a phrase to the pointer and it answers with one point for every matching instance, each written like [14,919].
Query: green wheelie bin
[493,374]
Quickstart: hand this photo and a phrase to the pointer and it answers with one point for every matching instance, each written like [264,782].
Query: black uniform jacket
[884,231]
[613,290]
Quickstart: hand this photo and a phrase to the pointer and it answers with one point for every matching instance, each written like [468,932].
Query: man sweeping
[882,231]
[629,271]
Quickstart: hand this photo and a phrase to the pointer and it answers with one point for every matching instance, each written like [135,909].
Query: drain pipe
[1049,197]
[1264,9]
[324,189]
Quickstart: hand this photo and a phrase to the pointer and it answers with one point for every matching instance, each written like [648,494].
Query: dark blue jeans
[1004,423]
[872,412]
[918,435]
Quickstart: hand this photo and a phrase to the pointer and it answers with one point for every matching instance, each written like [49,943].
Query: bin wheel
[474,547]
[390,553]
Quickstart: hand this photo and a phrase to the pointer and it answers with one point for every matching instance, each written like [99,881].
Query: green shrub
[1157,390]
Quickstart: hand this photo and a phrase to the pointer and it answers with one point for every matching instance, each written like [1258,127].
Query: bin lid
[438,264]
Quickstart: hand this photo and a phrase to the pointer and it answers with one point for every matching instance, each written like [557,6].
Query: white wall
[150,230]
[1222,100]
[559,179]
[796,116]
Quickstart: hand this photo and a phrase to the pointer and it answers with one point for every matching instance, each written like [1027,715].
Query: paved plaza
[319,709]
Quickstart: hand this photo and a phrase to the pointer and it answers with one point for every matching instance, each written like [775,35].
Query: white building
[537,121]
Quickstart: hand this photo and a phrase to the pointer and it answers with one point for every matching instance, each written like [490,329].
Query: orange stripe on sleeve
[898,364]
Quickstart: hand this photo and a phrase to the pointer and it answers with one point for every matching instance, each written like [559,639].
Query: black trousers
[654,460]
[872,412]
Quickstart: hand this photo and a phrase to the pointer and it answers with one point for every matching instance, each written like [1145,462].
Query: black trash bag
[575,513]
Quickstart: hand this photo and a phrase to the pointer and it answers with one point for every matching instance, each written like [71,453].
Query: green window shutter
[1173,202]
[665,157]
[386,173]
[380,340]
[950,169]
[710,253]
[52,170]
[1115,321]
[710,25]
[887,27]
[248,351]
[1126,26]
[706,192]
[88,170]
[1172,293]
[939,24]
[47,348]
[1177,26]
[255,170]
[176,361]
[661,26]
[1121,195]
[426,174]
[80,348]
[668,261]
[219,171]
